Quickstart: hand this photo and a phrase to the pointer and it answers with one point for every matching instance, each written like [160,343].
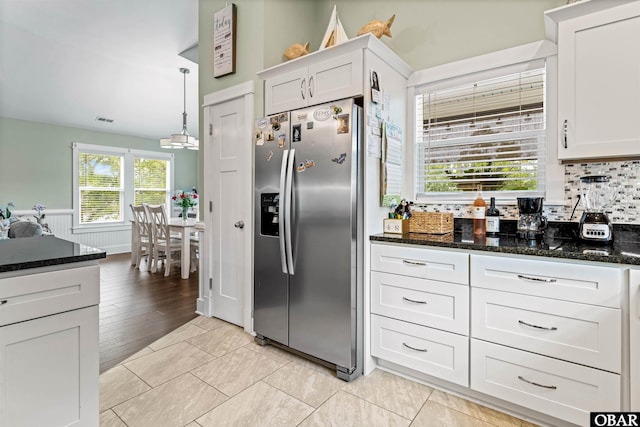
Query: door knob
[239,224]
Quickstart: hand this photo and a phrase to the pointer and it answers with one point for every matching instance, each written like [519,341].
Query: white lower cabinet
[49,349]
[589,335]
[541,333]
[427,350]
[425,302]
[554,387]
[49,371]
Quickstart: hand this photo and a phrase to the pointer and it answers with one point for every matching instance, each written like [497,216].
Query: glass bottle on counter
[479,208]
[492,219]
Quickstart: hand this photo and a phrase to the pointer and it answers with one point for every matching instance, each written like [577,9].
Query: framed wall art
[224,41]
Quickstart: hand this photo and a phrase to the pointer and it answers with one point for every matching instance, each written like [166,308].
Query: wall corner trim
[227,94]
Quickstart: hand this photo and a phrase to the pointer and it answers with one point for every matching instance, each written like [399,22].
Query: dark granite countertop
[33,252]
[558,242]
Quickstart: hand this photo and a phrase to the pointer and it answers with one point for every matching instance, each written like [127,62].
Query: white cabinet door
[336,78]
[287,91]
[579,333]
[430,303]
[589,284]
[599,84]
[445,266]
[634,337]
[430,351]
[49,371]
[560,389]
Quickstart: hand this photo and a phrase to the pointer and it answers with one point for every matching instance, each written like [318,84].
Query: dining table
[184,228]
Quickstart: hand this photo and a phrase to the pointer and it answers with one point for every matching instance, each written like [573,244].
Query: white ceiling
[67,62]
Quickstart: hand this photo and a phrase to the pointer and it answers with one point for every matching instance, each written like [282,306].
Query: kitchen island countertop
[34,252]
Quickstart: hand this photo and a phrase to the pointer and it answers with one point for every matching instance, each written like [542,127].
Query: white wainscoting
[61,222]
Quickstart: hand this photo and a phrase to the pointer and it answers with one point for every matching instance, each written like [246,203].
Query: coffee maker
[531,222]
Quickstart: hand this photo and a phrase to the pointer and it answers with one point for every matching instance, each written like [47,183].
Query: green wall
[36,161]
[425,32]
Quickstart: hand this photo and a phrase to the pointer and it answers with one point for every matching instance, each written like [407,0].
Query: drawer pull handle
[546,328]
[536,279]
[4,301]
[414,301]
[551,387]
[423,264]
[422,350]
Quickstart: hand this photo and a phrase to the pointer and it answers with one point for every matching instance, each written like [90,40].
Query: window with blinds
[100,179]
[151,181]
[489,134]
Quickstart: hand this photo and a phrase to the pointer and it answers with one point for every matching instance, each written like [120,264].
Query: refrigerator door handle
[283,208]
[287,213]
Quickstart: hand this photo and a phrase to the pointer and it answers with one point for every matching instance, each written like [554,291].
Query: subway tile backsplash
[625,210]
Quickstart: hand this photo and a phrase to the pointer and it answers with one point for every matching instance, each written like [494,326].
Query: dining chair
[166,249]
[142,227]
[194,244]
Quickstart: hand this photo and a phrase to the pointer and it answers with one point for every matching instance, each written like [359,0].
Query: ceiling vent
[104,119]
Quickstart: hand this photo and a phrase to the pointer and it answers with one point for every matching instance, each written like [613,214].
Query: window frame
[494,64]
[128,183]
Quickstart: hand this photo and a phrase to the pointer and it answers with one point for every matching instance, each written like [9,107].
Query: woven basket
[431,222]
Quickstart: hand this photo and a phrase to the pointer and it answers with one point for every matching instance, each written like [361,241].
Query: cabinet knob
[311,87]
[564,138]
[239,224]
[302,88]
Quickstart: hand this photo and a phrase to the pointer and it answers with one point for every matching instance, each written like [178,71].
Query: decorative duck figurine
[378,28]
[296,50]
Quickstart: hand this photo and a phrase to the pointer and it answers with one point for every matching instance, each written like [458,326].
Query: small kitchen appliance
[531,222]
[597,195]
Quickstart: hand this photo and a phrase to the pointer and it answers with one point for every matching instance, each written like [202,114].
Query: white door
[229,225]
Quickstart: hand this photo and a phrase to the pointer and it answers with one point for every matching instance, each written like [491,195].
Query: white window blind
[487,134]
[100,179]
[151,181]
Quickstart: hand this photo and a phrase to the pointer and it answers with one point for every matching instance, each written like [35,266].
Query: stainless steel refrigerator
[308,233]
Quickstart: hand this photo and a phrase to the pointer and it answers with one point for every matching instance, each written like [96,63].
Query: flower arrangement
[185,200]
[5,213]
[39,216]
[39,208]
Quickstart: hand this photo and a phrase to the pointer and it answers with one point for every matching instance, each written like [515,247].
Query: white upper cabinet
[335,73]
[598,78]
[324,81]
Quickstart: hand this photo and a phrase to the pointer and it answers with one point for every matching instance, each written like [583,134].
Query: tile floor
[210,373]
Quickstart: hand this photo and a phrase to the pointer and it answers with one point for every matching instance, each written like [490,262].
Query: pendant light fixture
[182,139]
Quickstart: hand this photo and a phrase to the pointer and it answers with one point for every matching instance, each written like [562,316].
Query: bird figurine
[378,28]
[296,50]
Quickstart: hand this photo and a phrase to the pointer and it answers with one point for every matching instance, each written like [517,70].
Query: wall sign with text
[224,41]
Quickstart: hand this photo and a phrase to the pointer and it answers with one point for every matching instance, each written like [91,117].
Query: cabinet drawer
[407,260]
[436,304]
[571,282]
[433,352]
[554,387]
[36,295]
[579,333]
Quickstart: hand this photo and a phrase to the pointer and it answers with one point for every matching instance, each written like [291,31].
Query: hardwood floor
[137,307]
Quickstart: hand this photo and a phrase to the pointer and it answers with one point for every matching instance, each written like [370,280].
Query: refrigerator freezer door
[271,297]
[322,311]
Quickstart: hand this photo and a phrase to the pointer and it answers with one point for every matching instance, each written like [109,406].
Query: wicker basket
[431,222]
